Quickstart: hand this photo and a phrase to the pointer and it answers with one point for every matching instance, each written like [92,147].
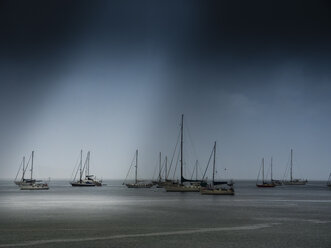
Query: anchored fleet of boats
[83,178]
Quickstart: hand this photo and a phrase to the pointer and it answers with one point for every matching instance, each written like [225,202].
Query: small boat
[184,185]
[213,188]
[328,183]
[88,180]
[31,184]
[294,181]
[264,184]
[137,183]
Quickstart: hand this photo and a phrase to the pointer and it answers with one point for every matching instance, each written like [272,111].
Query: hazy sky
[114,76]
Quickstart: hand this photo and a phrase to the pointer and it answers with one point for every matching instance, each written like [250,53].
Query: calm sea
[115,216]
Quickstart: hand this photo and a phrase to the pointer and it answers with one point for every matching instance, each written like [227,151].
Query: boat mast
[23,168]
[214,162]
[88,164]
[136,180]
[80,166]
[32,164]
[160,168]
[262,170]
[291,163]
[271,169]
[196,170]
[181,149]
[166,168]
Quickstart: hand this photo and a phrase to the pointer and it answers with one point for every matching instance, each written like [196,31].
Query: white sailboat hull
[43,186]
[295,182]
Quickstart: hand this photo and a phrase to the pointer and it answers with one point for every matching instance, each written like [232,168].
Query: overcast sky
[115,76]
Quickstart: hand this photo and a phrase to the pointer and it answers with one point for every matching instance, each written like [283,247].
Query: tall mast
[196,170]
[80,166]
[23,168]
[160,167]
[136,180]
[181,149]
[166,168]
[214,162]
[271,169]
[291,163]
[32,164]
[88,164]
[262,170]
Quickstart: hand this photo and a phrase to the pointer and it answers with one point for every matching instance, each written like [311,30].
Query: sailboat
[137,183]
[31,184]
[264,184]
[89,180]
[328,183]
[276,182]
[182,186]
[294,181]
[212,188]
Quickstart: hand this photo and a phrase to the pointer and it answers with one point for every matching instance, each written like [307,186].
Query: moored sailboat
[184,185]
[85,179]
[137,183]
[213,188]
[292,180]
[264,184]
[32,184]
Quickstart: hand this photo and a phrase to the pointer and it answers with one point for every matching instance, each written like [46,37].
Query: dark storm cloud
[186,29]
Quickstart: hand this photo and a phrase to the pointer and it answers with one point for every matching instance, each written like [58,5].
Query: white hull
[295,182]
[34,187]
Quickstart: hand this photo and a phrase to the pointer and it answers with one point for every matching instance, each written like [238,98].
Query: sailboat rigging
[213,188]
[31,184]
[194,185]
[264,184]
[274,181]
[292,180]
[88,180]
[137,183]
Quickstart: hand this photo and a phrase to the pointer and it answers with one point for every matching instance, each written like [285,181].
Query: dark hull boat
[139,185]
[82,184]
[264,184]
[88,180]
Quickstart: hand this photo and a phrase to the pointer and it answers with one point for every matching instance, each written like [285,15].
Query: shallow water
[115,216]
